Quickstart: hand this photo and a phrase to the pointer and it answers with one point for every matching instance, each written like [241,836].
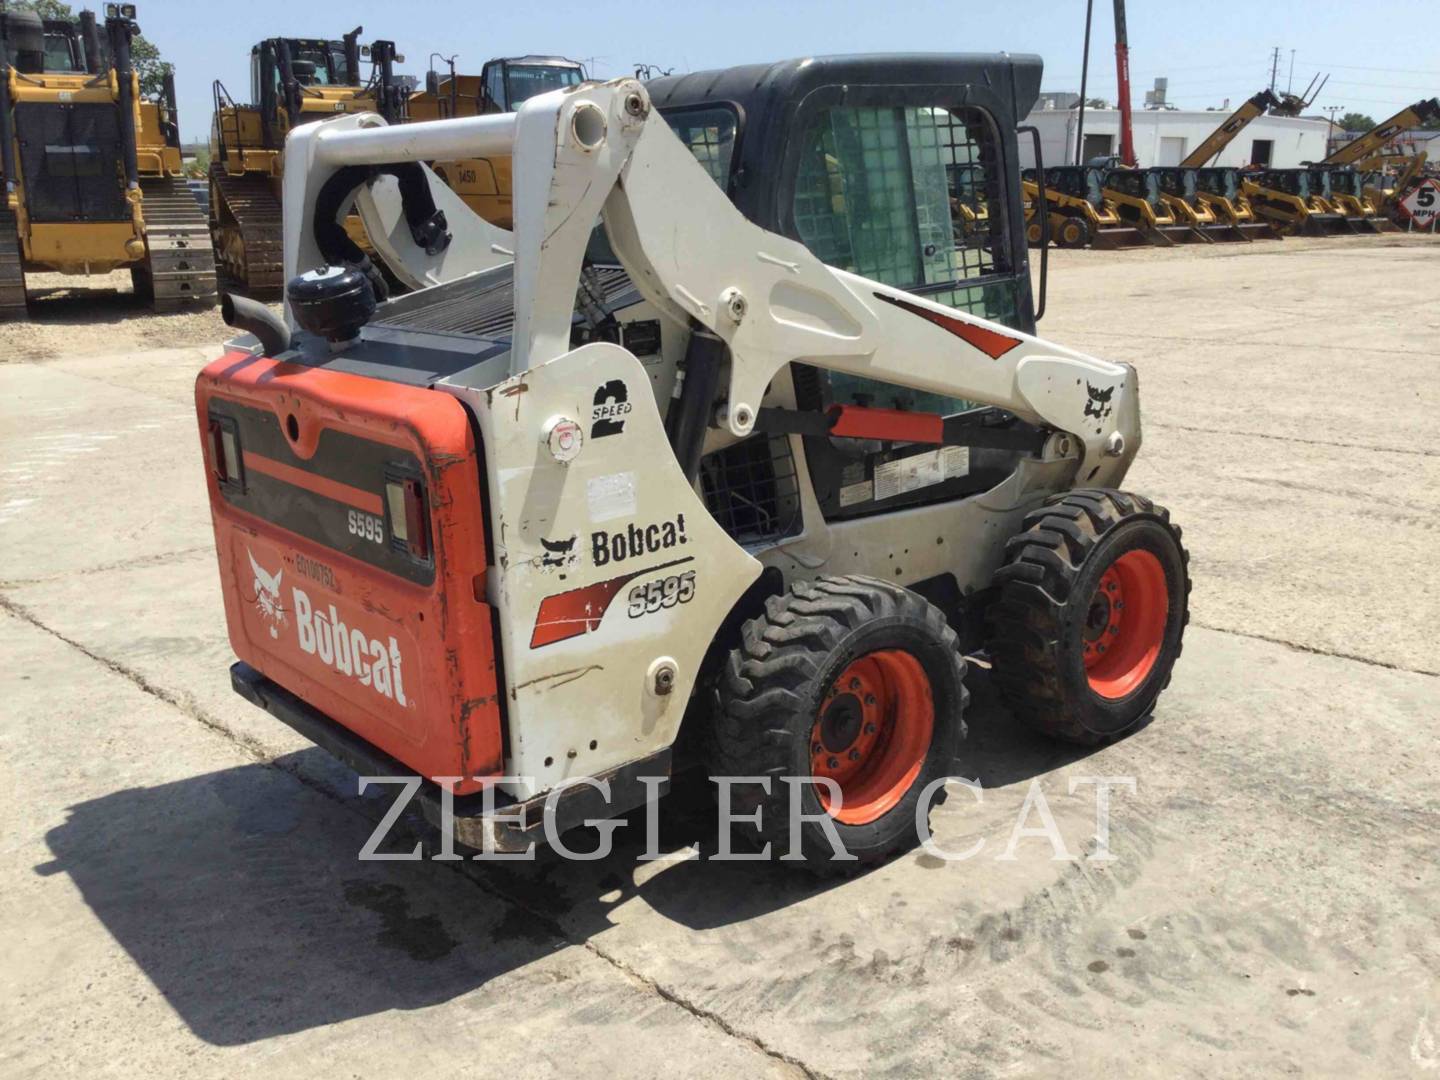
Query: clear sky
[1381,54]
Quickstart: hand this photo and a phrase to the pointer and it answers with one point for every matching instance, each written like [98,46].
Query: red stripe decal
[989,342]
[320,485]
[888,425]
[579,611]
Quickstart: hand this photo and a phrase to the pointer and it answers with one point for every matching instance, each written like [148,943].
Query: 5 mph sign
[1422,205]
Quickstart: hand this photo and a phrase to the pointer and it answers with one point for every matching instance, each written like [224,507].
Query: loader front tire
[848,678]
[1091,613]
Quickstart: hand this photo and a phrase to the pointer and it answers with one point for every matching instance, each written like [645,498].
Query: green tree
[1354,121]
[148,64]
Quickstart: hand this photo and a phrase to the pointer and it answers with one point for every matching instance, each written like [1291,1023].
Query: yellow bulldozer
[293,81]
[502,85]
[91,169]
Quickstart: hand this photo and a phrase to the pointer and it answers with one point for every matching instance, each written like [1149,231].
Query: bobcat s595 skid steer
[758,461]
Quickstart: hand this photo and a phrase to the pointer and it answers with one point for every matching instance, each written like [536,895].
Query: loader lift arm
[602,150]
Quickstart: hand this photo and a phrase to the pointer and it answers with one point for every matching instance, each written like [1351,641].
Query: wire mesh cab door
[913,189]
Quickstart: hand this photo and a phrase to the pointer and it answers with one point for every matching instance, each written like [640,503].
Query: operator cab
[1077,181]
[1223,182]
[511,81]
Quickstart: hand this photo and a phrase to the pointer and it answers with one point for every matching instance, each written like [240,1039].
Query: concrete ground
[180,884]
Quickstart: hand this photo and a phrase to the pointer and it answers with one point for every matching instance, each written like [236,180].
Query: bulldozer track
[12,274]
[181,263]
[245,219]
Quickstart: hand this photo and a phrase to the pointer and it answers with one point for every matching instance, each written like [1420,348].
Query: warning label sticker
[920,470]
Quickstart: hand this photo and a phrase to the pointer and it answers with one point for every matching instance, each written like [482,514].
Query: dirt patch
[77,316]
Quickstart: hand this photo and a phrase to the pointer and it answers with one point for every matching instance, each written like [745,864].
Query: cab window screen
[902,195]
[710,136]
[529,80]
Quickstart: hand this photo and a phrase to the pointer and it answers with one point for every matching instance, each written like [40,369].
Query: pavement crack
[247,744]
[1297,439]
[707,1016]
[1300,647]
[158,559]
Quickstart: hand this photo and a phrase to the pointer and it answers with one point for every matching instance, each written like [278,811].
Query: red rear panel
[353,597]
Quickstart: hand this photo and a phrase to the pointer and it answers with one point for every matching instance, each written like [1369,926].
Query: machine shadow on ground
[240,895]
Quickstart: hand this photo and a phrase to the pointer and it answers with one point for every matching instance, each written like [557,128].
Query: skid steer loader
[738,479]
[1219,188]
[1136,196]
[91,170]
[1080,214]
[1291,201]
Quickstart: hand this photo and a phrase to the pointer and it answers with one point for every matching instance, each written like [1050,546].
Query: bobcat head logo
[558,553]
[1098,404]
[267,596]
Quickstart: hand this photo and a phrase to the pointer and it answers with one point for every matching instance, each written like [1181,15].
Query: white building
[1165,136]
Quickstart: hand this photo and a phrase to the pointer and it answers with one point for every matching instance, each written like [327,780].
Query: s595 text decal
[663,593]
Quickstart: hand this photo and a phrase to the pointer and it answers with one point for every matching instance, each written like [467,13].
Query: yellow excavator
[92,178]
[502,85]
[293,81]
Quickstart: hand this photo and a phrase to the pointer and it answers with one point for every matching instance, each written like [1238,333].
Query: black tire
[775,683]
[1049,589]
[1073,232]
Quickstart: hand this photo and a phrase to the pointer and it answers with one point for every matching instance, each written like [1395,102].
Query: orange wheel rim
[1125,624]
[873,734]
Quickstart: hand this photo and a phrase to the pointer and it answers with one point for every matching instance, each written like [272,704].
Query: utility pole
[1274,67]
[1330,131]
[1290,82]
[1084,79]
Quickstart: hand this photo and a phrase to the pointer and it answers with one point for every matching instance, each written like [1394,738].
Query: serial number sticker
[920,470]
[611,496]
[851,494]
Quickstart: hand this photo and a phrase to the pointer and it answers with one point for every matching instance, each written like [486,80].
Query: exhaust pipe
[255,318]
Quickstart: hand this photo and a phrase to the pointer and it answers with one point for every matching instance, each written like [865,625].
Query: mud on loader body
[741,463]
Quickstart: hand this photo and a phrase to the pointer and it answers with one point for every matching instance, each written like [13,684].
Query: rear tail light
[224,451]
[409,515]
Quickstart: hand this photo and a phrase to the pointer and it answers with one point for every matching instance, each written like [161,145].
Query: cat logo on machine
[611,406]
[267,596]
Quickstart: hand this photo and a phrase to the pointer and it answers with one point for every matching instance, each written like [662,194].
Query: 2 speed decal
[609,410]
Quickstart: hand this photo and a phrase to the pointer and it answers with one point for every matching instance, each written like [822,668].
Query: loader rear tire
[850,678]
[1091,613]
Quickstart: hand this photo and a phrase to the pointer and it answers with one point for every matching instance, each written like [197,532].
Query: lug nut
[869,729]
[817,749]
[869,699]
[1114,629]
[832,763]
[854,684]
[854,755]
[1100,647]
